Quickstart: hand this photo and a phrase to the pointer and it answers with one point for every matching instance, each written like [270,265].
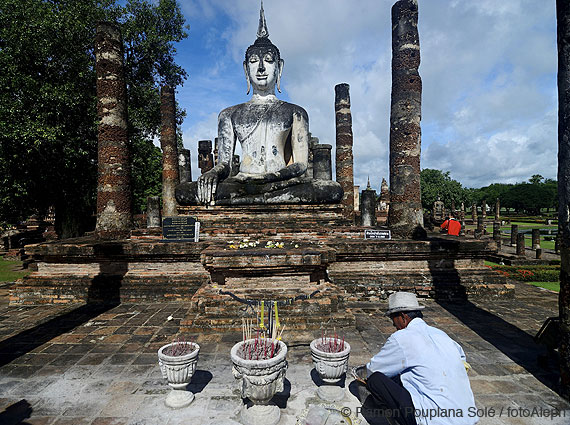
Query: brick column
[322,168]
[170,176]
[344,158]
[520,245]
[563,32]
[114,214]
[405,216]
[474,212]
[498,209]
[514,234]
[497,233]
[484,209]
[535,238]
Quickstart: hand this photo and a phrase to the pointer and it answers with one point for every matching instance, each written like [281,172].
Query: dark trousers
[391,397]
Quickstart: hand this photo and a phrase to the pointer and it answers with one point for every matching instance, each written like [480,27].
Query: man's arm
[391,360]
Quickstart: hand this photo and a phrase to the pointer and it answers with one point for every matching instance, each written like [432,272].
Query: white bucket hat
[403,301]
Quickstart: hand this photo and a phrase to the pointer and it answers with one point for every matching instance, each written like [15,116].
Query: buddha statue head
[263,64]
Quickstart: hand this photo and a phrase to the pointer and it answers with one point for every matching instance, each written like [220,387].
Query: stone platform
[68,364]
[318,252]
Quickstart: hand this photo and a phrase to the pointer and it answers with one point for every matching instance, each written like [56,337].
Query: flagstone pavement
[86,365]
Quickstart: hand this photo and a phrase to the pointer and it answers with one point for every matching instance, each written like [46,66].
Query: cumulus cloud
[488,71]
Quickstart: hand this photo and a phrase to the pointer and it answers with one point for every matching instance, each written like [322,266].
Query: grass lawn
[11,270]
[553,286]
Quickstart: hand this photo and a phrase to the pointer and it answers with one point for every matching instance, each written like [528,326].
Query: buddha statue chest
[264,133]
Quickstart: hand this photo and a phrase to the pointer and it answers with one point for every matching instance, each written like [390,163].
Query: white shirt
[431,367]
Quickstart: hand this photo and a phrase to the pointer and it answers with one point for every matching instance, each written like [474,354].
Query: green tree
[536,179]
[531,198]
[436,183]
[48,121]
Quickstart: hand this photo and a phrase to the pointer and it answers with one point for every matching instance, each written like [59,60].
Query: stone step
[303,304]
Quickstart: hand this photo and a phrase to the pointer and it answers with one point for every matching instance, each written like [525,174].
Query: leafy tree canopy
[48,121]
[436,183]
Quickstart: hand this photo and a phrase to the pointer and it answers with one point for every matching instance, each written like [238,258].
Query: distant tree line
[48,117]
[526,197]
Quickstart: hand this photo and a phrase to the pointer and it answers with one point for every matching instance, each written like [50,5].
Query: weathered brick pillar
[405,216]
[484,209]
[497,233]
[170,176]
[520,244]
[474,212]
[114,213]
[344,158]
[535,238]
[184,166]
[514,234]
[498,209]
[563,30]
[205,157]
[322,167]
[480,227]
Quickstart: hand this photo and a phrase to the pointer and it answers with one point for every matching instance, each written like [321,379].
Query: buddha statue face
[263,68]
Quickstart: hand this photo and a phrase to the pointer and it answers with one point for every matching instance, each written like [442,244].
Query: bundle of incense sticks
[259,348]
[271,330]
[331,344]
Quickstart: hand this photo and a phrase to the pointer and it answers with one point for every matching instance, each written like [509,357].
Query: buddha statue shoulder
[274,138]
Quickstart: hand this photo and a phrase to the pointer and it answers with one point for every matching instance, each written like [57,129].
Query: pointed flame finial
[262,29]
[368,185]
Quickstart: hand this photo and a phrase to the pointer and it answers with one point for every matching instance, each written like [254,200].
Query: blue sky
[489,105]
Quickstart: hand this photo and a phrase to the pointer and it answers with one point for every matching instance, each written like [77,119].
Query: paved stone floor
[79,365]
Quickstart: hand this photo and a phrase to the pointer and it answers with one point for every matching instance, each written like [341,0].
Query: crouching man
[420,373]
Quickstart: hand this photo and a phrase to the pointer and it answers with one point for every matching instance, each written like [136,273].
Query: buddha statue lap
[274,137]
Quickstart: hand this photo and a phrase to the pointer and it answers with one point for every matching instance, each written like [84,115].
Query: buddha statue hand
[208,183]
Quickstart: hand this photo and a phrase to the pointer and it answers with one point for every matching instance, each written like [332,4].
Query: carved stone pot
[178,370]
[260,380]
[330,367]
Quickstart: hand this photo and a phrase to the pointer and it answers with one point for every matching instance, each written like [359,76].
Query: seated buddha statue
[274,138]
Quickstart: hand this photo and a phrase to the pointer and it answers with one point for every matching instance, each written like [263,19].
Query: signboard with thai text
[378,234]
[180,228]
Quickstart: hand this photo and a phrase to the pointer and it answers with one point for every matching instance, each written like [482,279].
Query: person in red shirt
[452,226]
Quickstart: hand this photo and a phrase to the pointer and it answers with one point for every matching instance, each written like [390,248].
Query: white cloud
[488,71]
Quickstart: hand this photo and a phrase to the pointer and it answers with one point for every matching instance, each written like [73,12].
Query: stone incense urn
[178,366]
[261,377]
[331,363]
